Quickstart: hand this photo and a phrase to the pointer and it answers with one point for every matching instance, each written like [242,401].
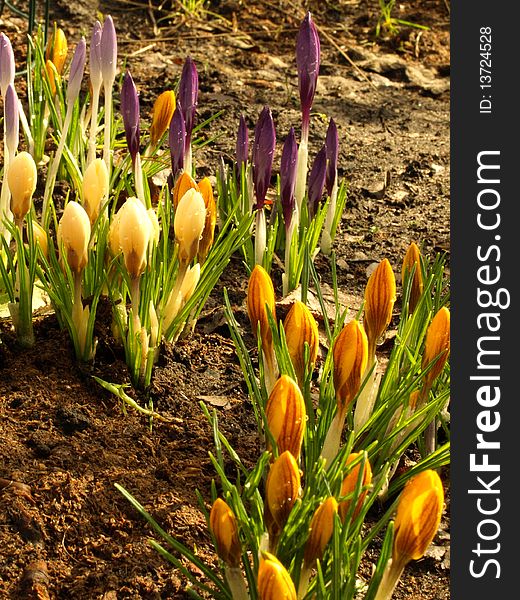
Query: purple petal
[108,50]
[130,112]
[96,75]
[242,147]
[7,66]
[288,176]
[77,67]
[177,141]
[263,153]
[317,181]
[308,63]
[12,118]
[188,96]
[332,145]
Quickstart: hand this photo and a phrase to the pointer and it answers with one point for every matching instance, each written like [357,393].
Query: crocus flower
[7,65]
[288,177]
[317,181]
[437,345]
[208,234]
[56,50]
[350,355]
[176,141]
[320,531]
[184,183]
[274,581]
[21,178]
[301,328]
[108,50]
[189,221]
[263,152]
[77,67]
[74,234]
[163,109]
[242,145]
[308,64]
[282,489]
[96,75]
[412,262]
[223,524]
[12,119]
[130,112]
[349,485]
[134,236]
[332,149]
[94,187]
[188,96]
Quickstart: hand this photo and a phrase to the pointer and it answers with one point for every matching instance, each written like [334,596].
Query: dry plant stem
[51,177]
[391,576]
[93,125]
[333,438]
[236,583]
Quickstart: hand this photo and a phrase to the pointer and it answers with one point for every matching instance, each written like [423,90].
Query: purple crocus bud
[77,67]
[308,63]
[130,112]
[188,96]
[332,145]
[242,148]
[96,75]
[108,50]
[7,66]
[288,177]
[12,119]
[317,181]
[263,152]
[177,141]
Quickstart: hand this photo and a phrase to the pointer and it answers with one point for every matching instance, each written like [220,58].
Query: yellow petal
[437,344]
[380,295]
[184,183]
[282,487]
[350,482]
[21,178]
[412,262]
[223,524]
[274,581]
[300,327]
[260,293]
[163,110]
[190,217]
[74,233]
[321,528]
[350,355]
[208,233]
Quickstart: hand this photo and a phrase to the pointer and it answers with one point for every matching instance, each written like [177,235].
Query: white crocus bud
[21,178]
[189,283]
[95,187]
[74,236]
[134,236]
[190,218]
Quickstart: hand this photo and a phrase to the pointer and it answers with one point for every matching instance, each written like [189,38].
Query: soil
[65,440]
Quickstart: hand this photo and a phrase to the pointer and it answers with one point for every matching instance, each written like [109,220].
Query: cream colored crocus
[301,328]
[134,236]
[350,482]
[437,345]
[40,238]
[21,178]
[412,263]
[162,113]
[224,527]
[95,188]
[155,228]
[350,356]
[282,489]
[380,295]
[113,234]
[208,234]
[286,415]
[74,236]
[260,300]
[417,520]
[274,581]
[189,221]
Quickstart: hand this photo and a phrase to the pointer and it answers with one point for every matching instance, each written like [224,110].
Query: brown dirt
[67,439]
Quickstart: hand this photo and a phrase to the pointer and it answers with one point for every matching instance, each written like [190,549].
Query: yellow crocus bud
[208,234]
[52,75]
[134,236]
[274,581]
[190,217]
[260,293]
[74,235]
[223,524]
[300,327]
[320,531]
[418,516]
[21,178]
[56,50]
[380,295]
[350,482]
[282,488]
[412,262]
[95,187]
[189,283]
[437,345]
[163,109]
[40,238]
[285,414]
[184,183]
[350,355]
[113,234]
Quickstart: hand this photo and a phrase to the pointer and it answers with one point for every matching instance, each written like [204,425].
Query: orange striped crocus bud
[412,262]
[208,234]
[56,50]
[184,183]
[380,295]
[418,516]
[300,327]
[260,296]
[285,414]
[282,488]
[320,531]
[350,355]
[350,482]
[274,581]
[223,524]
[437,345]
[162,114]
